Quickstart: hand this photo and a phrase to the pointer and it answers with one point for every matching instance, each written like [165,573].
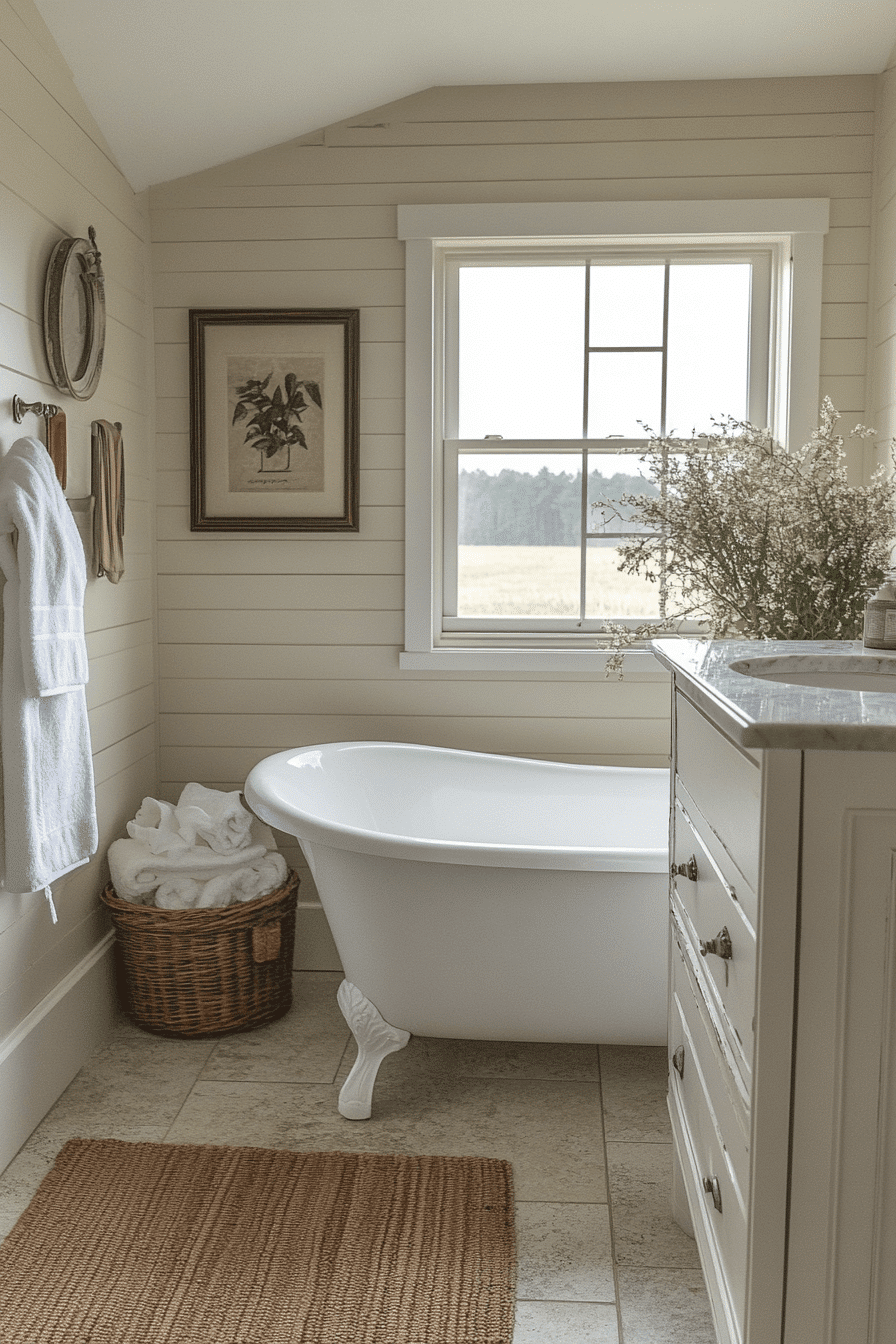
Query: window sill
[640,664]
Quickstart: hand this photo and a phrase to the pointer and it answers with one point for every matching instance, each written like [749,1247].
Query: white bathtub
[480,897]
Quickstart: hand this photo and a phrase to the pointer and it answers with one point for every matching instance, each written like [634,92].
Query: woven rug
[143,1243]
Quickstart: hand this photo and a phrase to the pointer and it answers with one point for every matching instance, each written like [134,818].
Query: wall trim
[41,1056]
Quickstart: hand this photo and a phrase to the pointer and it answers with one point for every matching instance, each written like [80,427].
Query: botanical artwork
[276,419]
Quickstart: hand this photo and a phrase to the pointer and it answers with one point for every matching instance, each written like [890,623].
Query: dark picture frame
[274,419]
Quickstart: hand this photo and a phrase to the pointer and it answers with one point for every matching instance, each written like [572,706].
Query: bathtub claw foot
[375,1039]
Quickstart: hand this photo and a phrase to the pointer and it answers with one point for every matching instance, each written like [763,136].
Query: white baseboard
[41,1057]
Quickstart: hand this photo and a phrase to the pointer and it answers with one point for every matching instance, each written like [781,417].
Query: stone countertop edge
[757,713]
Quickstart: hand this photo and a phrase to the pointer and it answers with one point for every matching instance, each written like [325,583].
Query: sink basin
[833,672]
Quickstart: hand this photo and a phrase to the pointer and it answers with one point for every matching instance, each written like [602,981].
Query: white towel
[178,893]
[49,811]
[241,885]
[136,871]
[220,819]
[245,884]
[156,825]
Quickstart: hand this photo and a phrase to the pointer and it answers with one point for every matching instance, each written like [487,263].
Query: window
[541,340]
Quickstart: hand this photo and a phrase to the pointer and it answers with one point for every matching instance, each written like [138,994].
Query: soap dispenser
[880,616]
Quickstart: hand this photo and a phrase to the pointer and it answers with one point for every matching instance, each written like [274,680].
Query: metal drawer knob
[688,870]
[678,1061]
[712,1187]
[720,946]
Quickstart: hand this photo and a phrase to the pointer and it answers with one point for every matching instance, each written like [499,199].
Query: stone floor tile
[306,1045]
[564,1253]
[565,1323]
[668,1306]
[633,1080]
[644,1231]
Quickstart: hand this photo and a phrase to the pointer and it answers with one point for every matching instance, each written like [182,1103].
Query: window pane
[519,530]
[709,345]
[610,476]
[624,394]
[626,306]
[610,593]
[520,345]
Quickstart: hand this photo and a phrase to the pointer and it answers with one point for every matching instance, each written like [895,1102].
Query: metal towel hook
[44,408]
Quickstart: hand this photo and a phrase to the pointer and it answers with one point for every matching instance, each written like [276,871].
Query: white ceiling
[180,85]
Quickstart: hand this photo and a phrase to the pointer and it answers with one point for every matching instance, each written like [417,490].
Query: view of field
[544,581]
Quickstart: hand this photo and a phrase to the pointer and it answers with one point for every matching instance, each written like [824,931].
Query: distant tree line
[517,508]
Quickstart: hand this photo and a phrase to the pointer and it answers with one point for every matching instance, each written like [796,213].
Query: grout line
[572,1301]
[351,1041]
[603,1131]
[189,1092]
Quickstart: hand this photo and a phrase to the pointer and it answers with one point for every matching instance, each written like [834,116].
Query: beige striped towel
[108,507]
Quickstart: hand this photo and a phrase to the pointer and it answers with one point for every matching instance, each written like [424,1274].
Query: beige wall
[275,641]
[57,177]
[882,318]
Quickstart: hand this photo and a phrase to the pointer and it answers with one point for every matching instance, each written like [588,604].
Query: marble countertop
[756,712]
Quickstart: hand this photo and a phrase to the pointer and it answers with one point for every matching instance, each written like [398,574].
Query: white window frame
[794,232]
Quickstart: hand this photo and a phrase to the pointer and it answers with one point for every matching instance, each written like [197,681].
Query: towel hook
[44,408]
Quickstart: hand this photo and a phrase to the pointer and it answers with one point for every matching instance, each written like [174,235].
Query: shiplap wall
[279,641]
[57,177]
[883,297]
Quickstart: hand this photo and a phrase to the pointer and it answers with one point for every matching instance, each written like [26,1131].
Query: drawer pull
[712,1187]
[678,1061]
[720,946]
[688,870]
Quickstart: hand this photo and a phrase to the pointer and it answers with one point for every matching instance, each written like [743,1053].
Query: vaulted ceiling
[180,85]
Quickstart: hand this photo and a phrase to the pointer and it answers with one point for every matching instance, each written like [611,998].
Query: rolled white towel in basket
[177,893]
[243,884]
[136,871]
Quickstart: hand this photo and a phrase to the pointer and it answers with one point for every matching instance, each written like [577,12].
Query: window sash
[759,382]
[453,451]
[761,399]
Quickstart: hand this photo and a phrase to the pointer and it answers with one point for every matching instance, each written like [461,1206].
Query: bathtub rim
[273,807]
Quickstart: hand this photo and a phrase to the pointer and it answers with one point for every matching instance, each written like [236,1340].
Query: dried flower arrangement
[757,542]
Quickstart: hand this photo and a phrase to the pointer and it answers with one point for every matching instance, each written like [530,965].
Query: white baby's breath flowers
[757,542]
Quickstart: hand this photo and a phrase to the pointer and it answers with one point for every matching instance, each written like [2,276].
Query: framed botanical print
[274,412]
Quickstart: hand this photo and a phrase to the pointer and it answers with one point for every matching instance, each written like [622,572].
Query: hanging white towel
[49,808]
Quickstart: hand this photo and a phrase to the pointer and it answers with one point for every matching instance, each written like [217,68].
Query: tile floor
[600,1260]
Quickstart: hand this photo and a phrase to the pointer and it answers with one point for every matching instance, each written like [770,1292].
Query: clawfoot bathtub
[480,897]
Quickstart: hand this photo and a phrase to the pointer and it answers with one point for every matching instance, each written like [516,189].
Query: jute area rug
[143,1243]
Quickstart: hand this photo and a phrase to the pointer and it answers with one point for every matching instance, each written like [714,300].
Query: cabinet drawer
[724,783]
[691,1030]
[713,1147]
[722,941]
[729,874]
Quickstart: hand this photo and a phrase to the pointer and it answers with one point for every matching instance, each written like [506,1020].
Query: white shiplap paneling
[269,642]
[57,177]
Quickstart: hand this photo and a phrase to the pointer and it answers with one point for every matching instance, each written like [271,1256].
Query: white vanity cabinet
[782,1020]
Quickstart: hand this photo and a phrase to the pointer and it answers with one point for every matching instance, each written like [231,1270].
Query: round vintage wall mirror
[75,315]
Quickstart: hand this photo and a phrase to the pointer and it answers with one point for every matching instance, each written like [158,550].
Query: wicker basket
[206,972]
